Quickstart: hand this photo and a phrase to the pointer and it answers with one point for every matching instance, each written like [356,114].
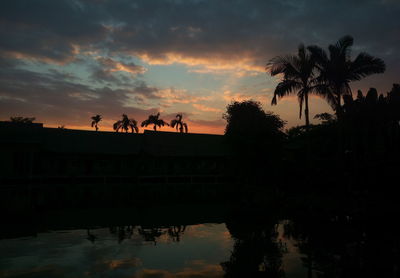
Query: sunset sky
[63,61]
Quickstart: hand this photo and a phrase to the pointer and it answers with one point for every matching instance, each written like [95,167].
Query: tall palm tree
[337,70]
[125,124]
[179,124]
[298,78]
[154,120]
[95,121]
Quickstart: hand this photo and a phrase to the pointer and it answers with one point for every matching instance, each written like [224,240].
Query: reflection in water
[257,251]
[346,246]
[91,237]
[175,232]
[151,234]
[122,232]
[119,251]
[249,244]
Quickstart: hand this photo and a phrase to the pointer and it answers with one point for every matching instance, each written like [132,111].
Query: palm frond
[344,44]
[365,65]
[117,125]
[274,100]
[284,88]
[162,123]
[343,89]
[302,54]
[134,127]
[318,54]
[154,119]
[145,123]
[276,65]
[173,123]
[324,91]
[282,64]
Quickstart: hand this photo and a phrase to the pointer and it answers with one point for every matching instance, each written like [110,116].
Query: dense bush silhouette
[251,129]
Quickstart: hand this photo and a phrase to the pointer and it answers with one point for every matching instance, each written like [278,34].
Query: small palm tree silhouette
[179,124]
[95,121]
[125,124]
[154,120]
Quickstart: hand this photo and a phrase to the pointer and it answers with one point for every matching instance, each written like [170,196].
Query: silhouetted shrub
[253,132]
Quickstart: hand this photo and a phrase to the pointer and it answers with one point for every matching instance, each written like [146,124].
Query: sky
[64,61]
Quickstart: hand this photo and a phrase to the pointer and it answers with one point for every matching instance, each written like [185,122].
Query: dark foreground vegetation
[335,182]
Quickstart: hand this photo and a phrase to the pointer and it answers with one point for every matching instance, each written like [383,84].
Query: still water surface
[198,250]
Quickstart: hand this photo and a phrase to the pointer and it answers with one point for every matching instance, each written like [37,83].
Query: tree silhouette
[298,78]
[179,124]
[337,70]
[154,120]
[371,124]
[22,120]
[95,121]
[253,133]
[248,117]
[125,124]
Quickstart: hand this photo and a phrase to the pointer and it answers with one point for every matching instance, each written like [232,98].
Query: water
[198,251]
[104,252]
[142,250]
[198,241]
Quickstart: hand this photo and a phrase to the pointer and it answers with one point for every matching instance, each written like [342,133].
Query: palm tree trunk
[339,105]
[339,115]
[306,112]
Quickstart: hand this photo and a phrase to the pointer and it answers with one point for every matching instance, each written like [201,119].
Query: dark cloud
[218,29]
[257,29]
[109,70]
[49,30]
[48,97]
[143,89]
